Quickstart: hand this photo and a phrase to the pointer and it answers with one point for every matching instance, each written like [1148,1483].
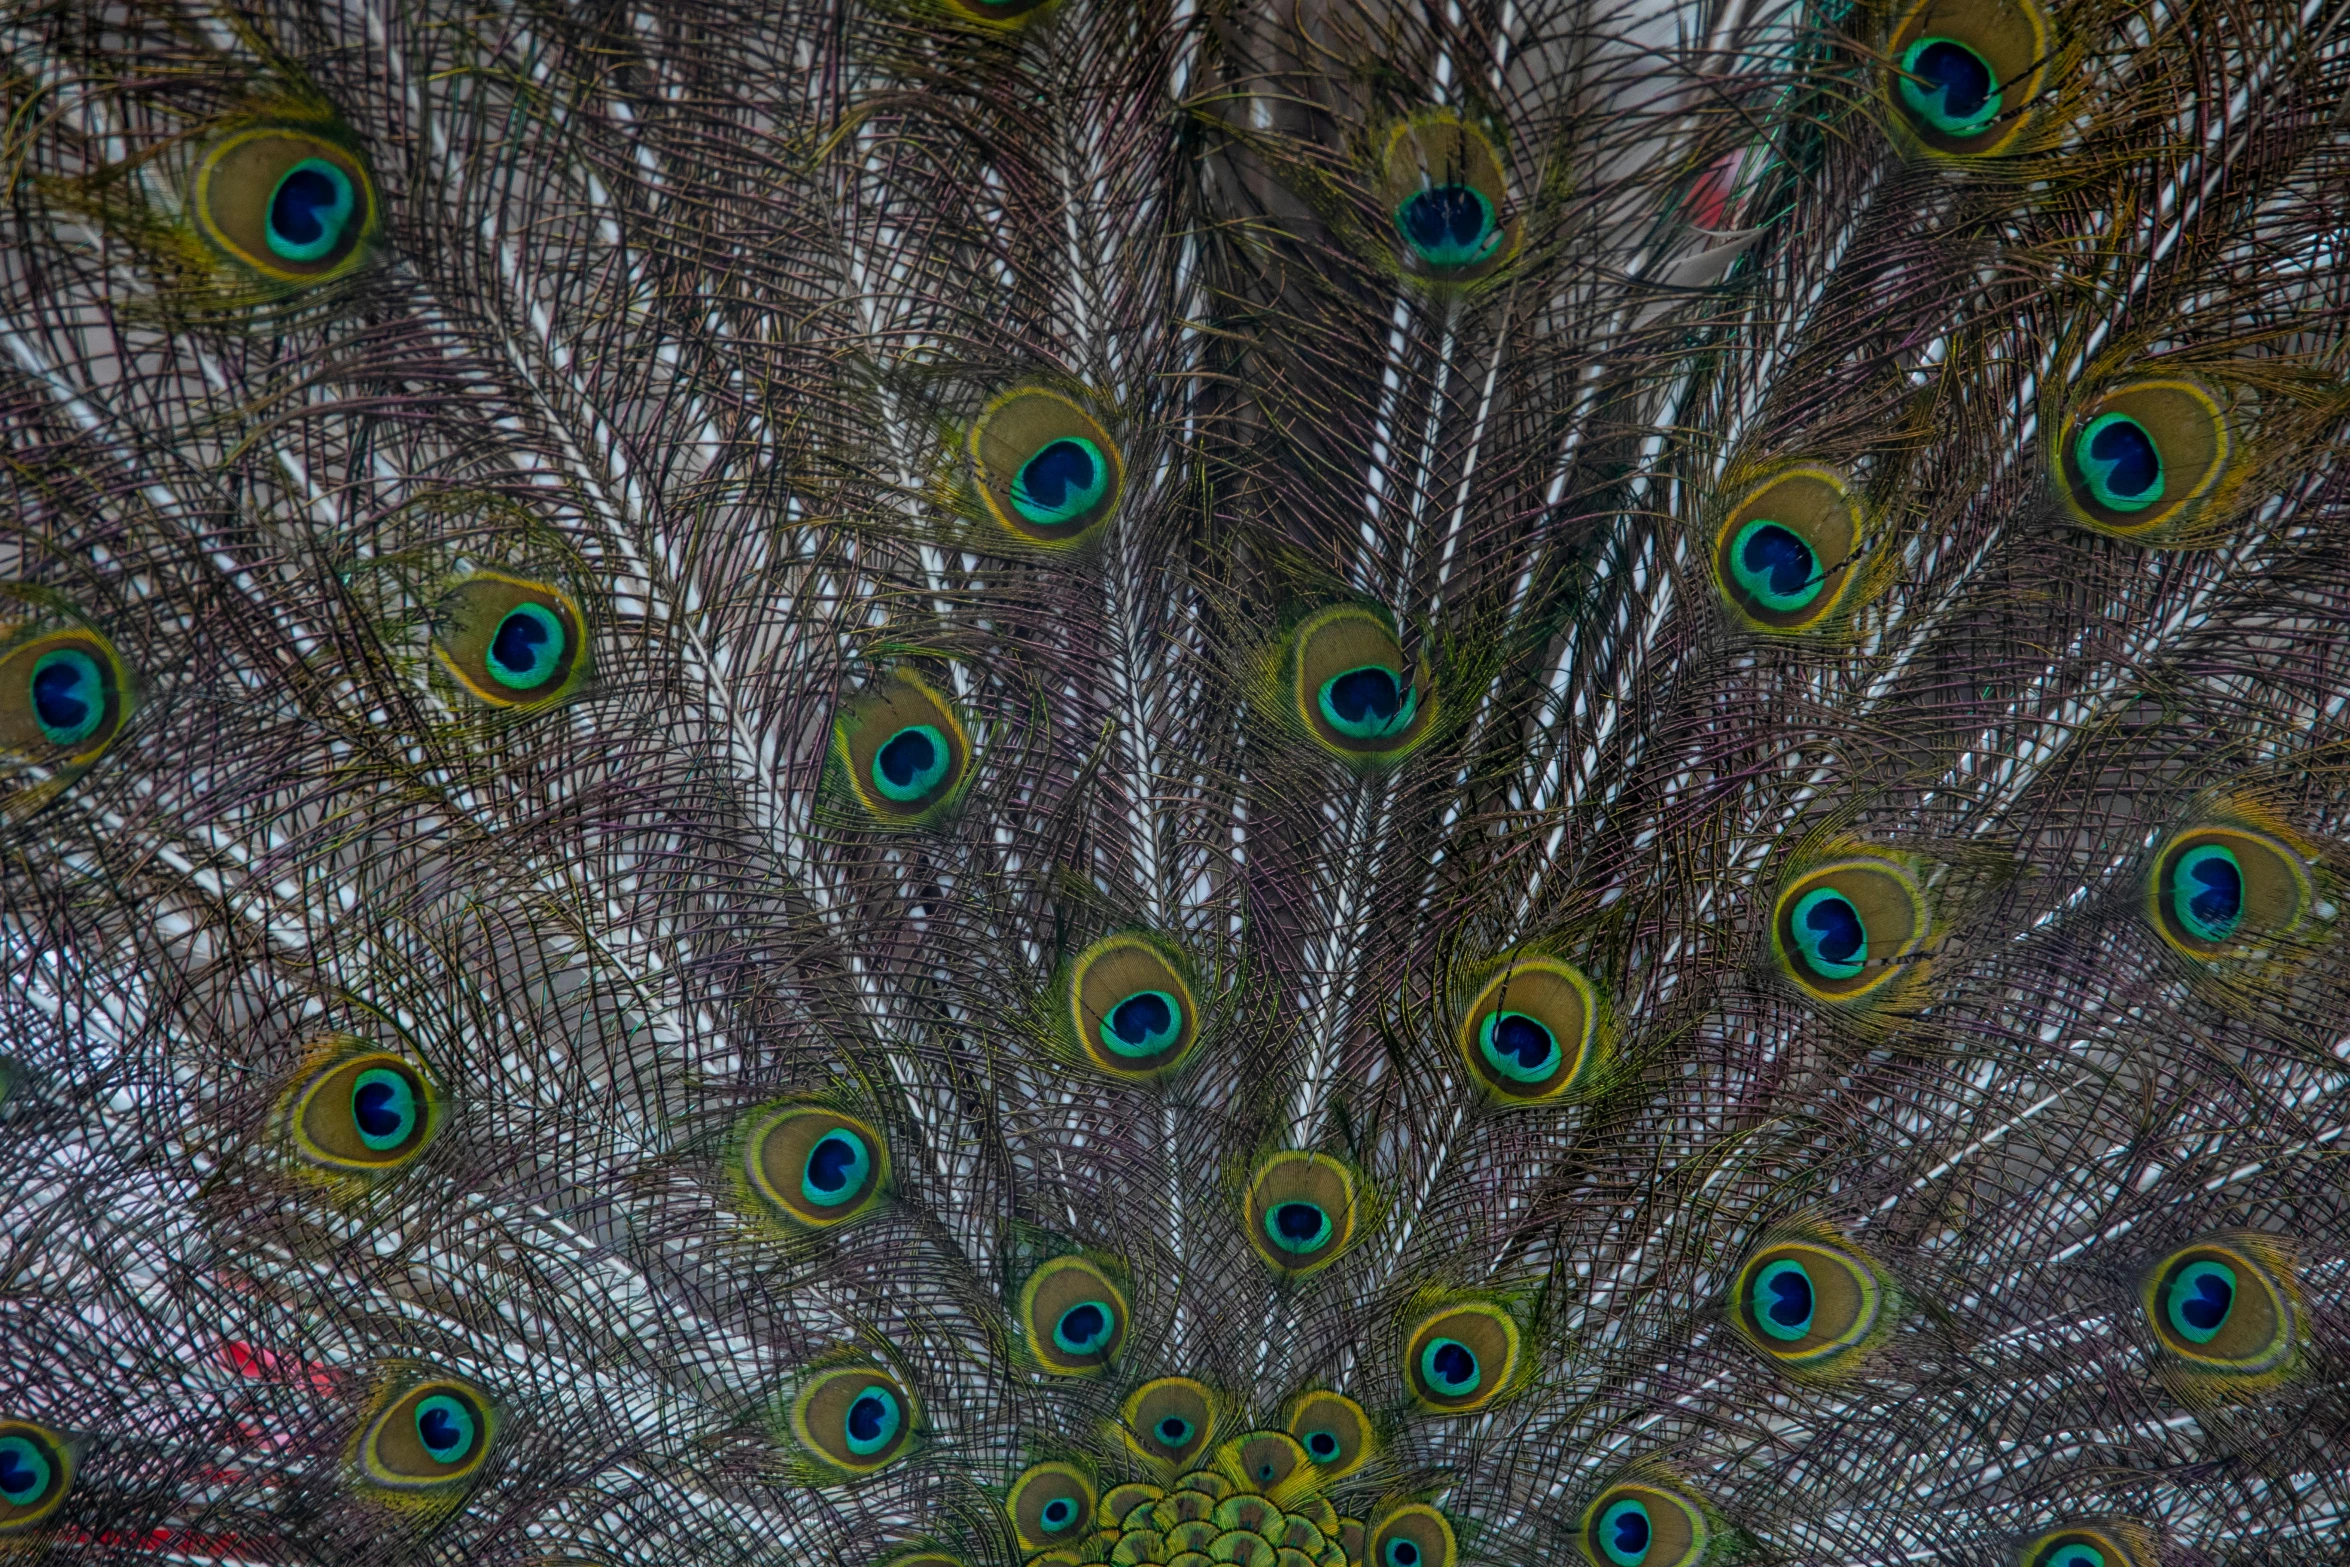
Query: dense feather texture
[959,781]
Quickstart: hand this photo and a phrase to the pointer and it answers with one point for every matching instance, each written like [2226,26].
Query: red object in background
[186,1542]
[269,1364]
[1712,199]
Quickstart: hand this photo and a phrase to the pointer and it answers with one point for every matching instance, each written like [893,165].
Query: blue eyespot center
[526,647]
[1449,1367]
[2199,1300]
[1173,1430]
[309,210]
[1297,1226]
[25,1471]
[1829,934]
[1143,1024]
[837,1168]
[2119,460]
[1949,86]
[1085,1328]
[1449,225]
[1783,1300]
[873,1421]
[69,695]
[2208,892]
[1058,1514]
[446,1428]
[1064,480]
[1520,1048]
[1624,1533]
[1322,1447]
[383,1107]
[2075,1554]
[1774,566]
[1368,702]
[911,762]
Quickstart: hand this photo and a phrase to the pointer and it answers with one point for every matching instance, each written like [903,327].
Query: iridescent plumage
[936,783]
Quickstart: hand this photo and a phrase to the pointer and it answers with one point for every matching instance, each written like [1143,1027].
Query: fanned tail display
[1178,783]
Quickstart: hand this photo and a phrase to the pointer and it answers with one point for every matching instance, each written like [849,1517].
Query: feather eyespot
[294,206]
[36,1472]
[813,1165]
[1265,1462]
[1350,688]
[854,1418]
[1965,78]
[1447,200]
[1461,1358]
[2225,1310]
[2221,891]
[902,752]
[2119,463]
[2146,457]
[1948,86]
[1785,551]
[1647,1522]
[1843,930]
[1534,1031]
[2207,892]
[1073,1317]
[510,642]
[1411,1535]
[1301,1211]
[429,1437]
[1170,1421]
[1050,1504]
[1131,1007]
[1333,1430]
[364,1112]
[63,697]
[1047,472]
[1812,1308]
[1828,934]
[2088,1544]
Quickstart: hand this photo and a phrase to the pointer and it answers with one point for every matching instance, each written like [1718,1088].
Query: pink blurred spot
[185,1542]
[269,1364]
[1709,204]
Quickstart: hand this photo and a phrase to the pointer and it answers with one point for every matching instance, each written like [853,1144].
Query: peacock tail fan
[966,783]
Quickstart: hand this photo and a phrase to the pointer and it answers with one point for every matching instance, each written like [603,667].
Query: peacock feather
[1180,783]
